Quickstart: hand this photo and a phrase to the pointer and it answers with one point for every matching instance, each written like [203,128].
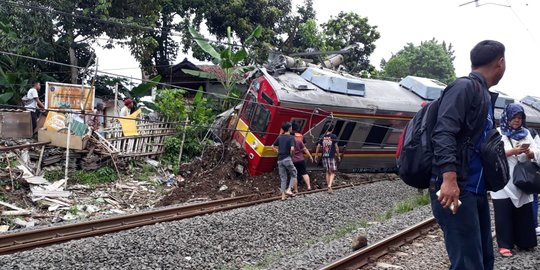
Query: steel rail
[373,252]
[25,240]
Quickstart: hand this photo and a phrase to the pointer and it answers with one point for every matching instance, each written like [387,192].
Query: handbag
[527,176]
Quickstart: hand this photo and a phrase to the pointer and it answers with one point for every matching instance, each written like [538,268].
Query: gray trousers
[286,166]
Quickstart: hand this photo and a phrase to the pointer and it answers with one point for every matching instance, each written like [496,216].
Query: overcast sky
[516,24]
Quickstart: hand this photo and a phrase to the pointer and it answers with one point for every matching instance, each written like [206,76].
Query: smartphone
[525,145]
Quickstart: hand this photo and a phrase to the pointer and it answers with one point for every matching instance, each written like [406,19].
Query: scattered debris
[359,242]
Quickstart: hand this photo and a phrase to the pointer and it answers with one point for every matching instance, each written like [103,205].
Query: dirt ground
[218,174]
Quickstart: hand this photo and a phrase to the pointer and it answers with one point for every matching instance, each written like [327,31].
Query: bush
[172,104]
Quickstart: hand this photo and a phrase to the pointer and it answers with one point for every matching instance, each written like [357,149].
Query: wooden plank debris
[16,213]
[50,193]
[11,206]
[37,180]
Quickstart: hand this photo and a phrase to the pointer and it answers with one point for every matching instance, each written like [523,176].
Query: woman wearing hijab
[513,207]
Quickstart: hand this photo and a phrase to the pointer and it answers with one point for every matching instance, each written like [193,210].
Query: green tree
[430,59]
[230,59]
[243,16]
[303,31]
[348,29]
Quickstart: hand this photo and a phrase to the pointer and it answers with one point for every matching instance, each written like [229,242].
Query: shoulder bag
[526,176]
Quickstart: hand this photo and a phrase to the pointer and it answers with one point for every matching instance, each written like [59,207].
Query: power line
[312,113]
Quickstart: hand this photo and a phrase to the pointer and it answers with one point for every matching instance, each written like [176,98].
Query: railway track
[371,253]
[19,241]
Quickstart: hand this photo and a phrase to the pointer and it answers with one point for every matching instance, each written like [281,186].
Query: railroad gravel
[300,233]
[250,238]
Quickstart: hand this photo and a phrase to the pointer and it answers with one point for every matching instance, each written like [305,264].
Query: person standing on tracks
[284,145]
[330,151]
[32,103]
[514,223]
[458,172]
[299,161]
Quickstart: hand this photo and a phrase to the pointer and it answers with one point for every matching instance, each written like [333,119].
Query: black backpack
[415,151]
[414,155]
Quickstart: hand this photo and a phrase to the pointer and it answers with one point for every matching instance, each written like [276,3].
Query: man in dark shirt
[458,172]
[328,143]
[285,148]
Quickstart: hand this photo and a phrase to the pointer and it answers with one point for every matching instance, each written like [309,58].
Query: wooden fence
[149,142]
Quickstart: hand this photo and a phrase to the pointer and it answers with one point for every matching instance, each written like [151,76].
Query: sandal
[505,252]
[290,194]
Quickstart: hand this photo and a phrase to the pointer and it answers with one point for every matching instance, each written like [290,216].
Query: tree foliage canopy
[430,59]
[348,29]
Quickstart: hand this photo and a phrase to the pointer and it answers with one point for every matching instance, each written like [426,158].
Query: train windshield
[259,122]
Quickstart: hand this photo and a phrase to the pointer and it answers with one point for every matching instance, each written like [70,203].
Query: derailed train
[368,115]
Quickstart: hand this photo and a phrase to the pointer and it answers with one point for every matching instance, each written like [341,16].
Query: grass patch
[53,175]
[93,178]
[344,230]
[405,206]
[264,262]
[147,171]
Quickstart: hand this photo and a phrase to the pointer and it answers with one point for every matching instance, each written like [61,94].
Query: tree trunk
[72,59]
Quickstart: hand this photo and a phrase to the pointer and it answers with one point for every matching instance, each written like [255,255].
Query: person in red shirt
[299,161]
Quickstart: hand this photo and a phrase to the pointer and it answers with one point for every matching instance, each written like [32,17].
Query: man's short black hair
[285,126]
[35,82]
[485,52]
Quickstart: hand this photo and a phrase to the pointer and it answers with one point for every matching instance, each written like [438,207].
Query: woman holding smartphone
[514,222]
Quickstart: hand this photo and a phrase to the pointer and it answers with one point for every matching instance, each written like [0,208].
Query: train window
[338,127]
[376,135]
[267,98]
[347,132]
[325,126]
[393,138]
[259,123]
[299,123]
[251,104]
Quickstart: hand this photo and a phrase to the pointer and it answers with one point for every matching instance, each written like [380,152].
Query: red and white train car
[368,114]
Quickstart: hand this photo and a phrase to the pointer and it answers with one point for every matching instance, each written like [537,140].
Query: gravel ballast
[299,233]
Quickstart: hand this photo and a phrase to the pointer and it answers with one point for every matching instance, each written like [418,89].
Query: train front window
[250,108]
[259,123]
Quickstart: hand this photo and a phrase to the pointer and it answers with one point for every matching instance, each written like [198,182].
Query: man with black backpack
[458,188]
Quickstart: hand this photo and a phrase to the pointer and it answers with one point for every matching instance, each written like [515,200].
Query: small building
[175,76]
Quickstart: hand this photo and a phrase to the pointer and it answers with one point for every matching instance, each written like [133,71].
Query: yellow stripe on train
[253,141]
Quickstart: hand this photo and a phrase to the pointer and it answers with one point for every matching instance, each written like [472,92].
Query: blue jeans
[467,234]
[535,209]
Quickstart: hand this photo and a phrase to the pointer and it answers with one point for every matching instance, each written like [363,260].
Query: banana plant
[229,59]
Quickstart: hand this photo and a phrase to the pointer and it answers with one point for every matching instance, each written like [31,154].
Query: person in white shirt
[32,103]
[126,110]
[514,222]
[536,138]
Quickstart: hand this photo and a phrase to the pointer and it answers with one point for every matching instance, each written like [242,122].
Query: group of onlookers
[291,149]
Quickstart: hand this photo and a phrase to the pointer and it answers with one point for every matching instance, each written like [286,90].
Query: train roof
[291,87]
[294,88]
